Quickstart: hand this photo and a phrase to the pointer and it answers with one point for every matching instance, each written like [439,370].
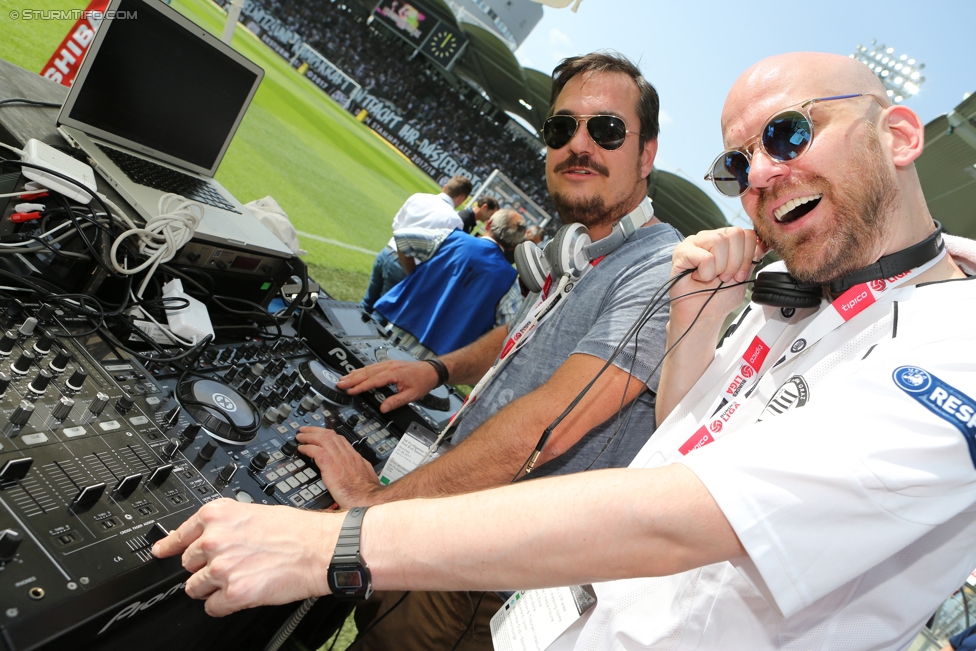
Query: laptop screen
[158,84]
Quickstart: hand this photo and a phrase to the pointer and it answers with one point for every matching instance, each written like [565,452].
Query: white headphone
[571,250]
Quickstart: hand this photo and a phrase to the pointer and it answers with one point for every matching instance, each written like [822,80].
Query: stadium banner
[64,63]
[272,32]
[409,21]
[385,118]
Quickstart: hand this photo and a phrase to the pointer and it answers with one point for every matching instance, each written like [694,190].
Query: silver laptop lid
[155,82]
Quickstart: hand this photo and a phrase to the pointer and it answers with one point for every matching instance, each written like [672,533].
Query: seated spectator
[421,210]
[534,234]
[462,287]
[480,210]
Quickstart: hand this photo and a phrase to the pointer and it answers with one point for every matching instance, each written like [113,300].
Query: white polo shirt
[850,481]
[423,210]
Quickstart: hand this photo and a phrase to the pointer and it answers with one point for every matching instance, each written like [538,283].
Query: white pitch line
[319,238]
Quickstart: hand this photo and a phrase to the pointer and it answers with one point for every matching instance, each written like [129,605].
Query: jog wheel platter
[225,414]
[324,381]
[439,399]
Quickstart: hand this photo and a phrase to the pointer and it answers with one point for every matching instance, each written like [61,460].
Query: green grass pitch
[333,176]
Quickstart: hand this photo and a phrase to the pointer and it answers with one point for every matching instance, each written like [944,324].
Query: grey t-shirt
[593,320]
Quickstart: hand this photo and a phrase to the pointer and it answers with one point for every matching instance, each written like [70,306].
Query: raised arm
[717,257]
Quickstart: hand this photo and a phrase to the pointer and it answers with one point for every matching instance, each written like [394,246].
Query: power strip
[37,153]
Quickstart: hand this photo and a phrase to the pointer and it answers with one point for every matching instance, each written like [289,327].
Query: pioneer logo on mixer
[137,606]
[340,355]
[225,403]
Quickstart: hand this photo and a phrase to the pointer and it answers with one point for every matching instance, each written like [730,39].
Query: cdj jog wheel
[212,404]
[323,380]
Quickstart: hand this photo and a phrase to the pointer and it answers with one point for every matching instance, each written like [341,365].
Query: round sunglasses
[607,131]
[784,137]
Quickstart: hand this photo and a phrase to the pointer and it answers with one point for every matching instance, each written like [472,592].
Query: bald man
[813,484]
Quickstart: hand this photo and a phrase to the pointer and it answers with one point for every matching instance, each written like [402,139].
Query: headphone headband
[622,229]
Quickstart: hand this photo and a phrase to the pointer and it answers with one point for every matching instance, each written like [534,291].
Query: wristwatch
[349,577]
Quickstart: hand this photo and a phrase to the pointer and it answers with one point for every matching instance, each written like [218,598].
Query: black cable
[361,634]
[467,628]
[29,102]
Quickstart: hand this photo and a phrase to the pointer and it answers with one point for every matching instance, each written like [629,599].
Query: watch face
[348,579]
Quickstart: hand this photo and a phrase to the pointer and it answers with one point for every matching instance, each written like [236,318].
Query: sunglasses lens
[558,130]
[786,136]
[607,131]
[730,174]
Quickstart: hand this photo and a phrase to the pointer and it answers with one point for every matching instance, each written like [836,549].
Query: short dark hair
[458,186]
[488,202]
[648,103]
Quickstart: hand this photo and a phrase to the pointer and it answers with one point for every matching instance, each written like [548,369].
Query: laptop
[155,105]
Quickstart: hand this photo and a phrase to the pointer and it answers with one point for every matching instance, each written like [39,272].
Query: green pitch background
[333,176]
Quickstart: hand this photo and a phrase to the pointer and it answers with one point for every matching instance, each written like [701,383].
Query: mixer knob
[22,413]
[97,405]
[39,385]
[27,327]
[284,410]
[257,370]
[206,452]
[63,408]
[260,461]
[231,373]
[23,363]
[272,415]
[170,449]
[124,404]
[306,404]
[257,384]
[4,383]
[60,361]
[77,379]
[225,475]
[352,420]
[171,417]
[289,448]
[188,435]
[43,344]
[45,312]
[245,387]
[7,342]
[9,542]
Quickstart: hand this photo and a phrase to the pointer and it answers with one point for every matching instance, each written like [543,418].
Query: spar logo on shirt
[942,399]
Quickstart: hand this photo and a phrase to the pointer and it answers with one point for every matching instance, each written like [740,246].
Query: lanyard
[746,377]
[544,308]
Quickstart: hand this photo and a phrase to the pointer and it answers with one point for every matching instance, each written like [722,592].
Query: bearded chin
[590,212]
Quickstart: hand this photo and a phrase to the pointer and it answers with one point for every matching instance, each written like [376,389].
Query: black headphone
[780,289]
[571,249]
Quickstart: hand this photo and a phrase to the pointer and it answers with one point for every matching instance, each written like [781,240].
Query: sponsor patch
[746,371]
[942,399]
[878,285]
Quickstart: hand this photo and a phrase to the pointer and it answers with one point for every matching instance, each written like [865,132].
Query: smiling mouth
[796,208]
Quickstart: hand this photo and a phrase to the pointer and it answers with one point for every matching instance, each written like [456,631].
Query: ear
[647,157]
[907,134]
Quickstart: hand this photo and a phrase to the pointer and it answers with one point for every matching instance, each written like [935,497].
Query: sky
[692,52]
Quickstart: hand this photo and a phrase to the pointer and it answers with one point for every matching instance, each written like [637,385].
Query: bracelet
[441,368]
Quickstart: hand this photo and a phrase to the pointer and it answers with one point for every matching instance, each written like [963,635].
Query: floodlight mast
[901,75]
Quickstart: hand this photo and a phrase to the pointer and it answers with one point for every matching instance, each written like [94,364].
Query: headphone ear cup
[780,289]
[533,268]
[565,252]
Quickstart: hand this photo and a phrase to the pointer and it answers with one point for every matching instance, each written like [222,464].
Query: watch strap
[348,543]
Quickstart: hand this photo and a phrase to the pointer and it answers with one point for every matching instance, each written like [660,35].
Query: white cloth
[856,504]
[426,211]
[276,220]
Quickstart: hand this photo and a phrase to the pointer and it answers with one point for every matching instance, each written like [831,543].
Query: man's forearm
[469,364]
[686,363]
[557,531]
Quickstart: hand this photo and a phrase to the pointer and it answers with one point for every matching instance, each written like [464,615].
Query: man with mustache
[833,506]
[592,184]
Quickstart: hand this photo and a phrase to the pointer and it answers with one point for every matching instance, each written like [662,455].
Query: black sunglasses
[784,138]
[607,131]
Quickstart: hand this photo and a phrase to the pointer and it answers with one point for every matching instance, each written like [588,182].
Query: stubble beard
[862,211]
[590,211]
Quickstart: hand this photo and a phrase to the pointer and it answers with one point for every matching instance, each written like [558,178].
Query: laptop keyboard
[165,179]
